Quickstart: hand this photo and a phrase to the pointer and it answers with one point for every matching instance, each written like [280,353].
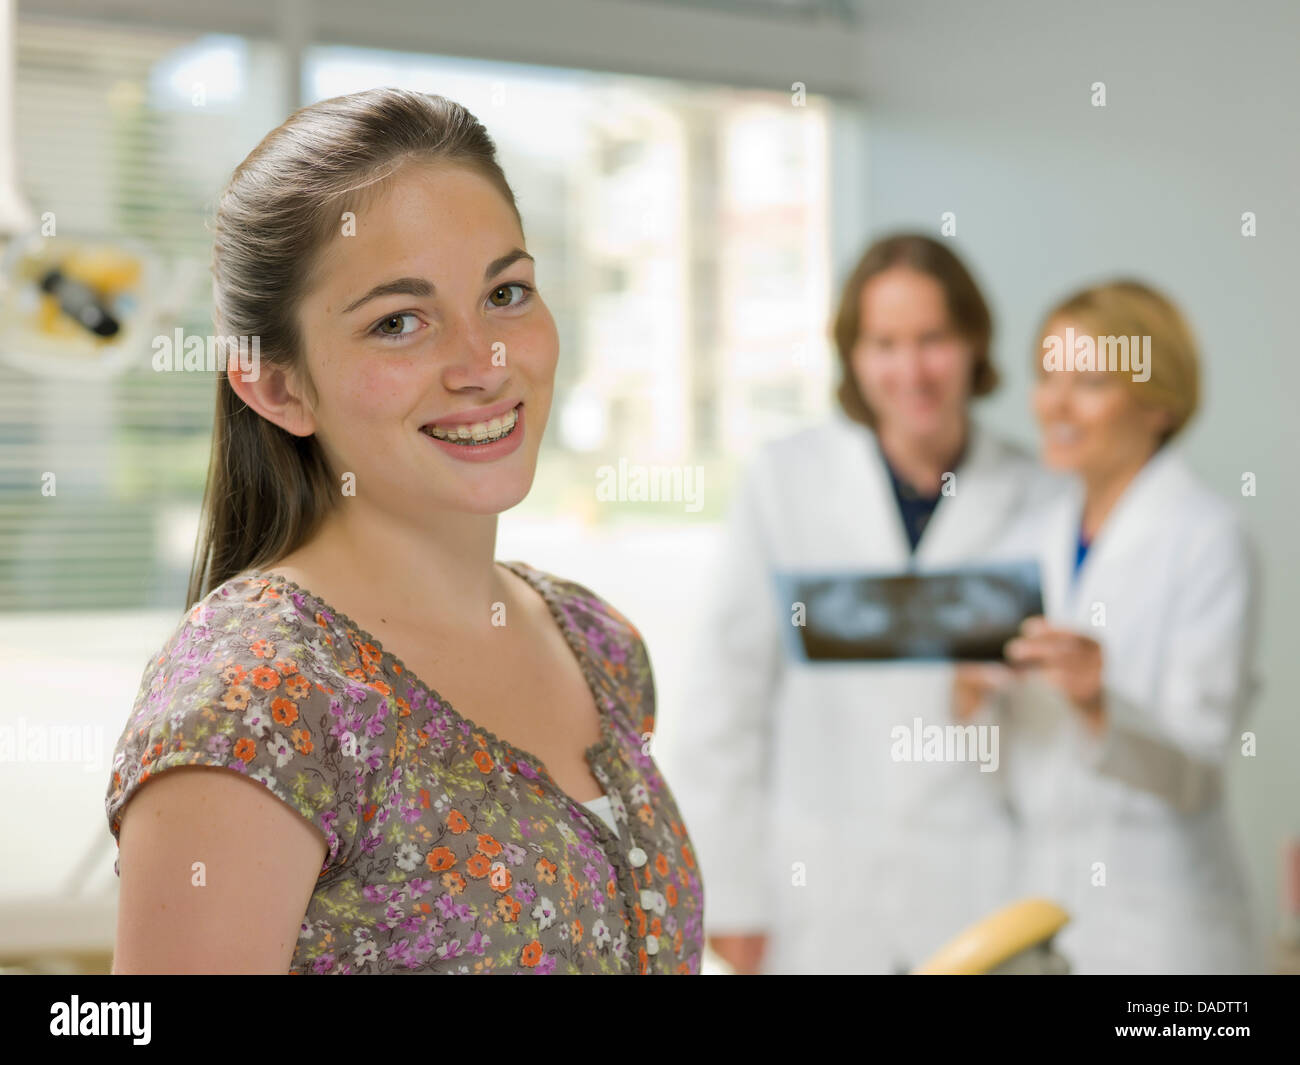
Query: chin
[491,499]
[1061,461]
[927,426]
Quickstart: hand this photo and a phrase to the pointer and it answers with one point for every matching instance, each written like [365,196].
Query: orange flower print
[610,888]
[262,648]
[297,686]
[382,688]
[236,697]
[643,960]
[661,864]
[508,908]
[424,798]
[546,870]
[245,749]
[233,673]
[500,876]
[531,954]
[440,858]
[456,822]
[576,932]
[670,893]
[283,710]
[302,741]
[646,815]
[285,665]
[265,677]
[453,882]
[477,866]
[484,761]
[488,845]
[687,856]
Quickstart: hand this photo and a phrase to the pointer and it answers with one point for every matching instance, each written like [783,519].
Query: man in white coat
[819,850]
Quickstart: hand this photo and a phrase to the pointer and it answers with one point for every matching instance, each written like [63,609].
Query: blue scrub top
[1081,546]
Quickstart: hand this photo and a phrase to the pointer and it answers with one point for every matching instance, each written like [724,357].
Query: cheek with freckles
[380,393]
[363,407]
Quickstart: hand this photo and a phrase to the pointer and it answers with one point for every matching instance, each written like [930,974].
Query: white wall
[984,109]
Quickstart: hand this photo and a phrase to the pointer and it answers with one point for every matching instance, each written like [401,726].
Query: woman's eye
[382,326]
[525,290]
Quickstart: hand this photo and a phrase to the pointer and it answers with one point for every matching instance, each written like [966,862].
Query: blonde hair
[1131,308]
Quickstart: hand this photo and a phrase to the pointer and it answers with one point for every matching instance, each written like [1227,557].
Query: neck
[444,579]
[922,461]
[1103,489]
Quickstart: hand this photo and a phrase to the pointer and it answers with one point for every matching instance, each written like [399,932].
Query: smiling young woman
[437,758]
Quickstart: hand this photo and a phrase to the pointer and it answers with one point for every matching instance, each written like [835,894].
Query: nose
[475,356]
[911,363]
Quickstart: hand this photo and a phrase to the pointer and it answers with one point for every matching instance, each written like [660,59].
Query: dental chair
[1013,941]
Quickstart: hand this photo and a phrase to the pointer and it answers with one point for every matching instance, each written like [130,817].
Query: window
[680,229]
[124,134]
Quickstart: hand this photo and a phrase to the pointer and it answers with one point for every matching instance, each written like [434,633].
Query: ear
[277,394]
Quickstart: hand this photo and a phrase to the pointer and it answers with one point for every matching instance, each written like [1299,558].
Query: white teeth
[478,432]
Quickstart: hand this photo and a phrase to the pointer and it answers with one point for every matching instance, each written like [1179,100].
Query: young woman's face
[425,323]
[913,369]
[1091,421]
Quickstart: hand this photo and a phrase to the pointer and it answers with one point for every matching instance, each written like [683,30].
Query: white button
[637,857]
[647,900]
[652,944]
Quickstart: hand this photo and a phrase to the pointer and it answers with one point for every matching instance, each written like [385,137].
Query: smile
[478,433]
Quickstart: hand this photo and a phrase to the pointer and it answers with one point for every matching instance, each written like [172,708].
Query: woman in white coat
[1139,678]
[819,851]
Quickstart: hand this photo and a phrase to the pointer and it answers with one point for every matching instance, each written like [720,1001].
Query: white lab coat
[804,825]
[1168,590]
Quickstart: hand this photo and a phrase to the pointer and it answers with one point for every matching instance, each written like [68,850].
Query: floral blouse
[448,849]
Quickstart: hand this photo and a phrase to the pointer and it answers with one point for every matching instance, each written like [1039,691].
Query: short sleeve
[236,697]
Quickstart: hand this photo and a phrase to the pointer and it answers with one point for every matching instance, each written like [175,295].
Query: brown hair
[268,490]
[966,308]
[1125,308]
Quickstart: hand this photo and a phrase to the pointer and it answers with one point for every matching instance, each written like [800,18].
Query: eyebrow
[418,286]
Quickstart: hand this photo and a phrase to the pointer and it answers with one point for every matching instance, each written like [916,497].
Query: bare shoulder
[216,875]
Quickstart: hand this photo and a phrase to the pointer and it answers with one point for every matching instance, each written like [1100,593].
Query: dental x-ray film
[958,615]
